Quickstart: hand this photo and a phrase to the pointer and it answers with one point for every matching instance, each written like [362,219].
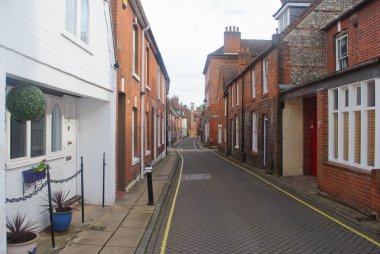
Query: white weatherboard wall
[35,47]
[2,162]
[97,129]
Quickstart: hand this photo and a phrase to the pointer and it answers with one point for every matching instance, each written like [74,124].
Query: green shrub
[26,102]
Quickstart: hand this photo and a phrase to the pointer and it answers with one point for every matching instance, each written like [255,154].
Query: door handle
[69,143]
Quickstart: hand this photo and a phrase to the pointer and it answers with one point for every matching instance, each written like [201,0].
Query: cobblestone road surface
[223,209]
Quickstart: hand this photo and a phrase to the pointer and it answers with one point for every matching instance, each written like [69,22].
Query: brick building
[343,116]
[221,66]
[256,130]
[142,85]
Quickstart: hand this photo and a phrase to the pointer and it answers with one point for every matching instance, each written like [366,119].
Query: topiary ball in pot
[26,102]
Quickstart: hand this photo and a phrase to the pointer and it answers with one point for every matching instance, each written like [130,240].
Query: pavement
[130,226]
[121,228]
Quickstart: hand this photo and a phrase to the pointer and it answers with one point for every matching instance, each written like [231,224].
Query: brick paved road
[222,209]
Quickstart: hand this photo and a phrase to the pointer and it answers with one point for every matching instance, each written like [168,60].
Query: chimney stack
[232,40]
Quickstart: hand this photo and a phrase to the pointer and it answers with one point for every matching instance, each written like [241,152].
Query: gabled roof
[255,48]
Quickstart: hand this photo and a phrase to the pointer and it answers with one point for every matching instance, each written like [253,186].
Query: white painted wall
[292,127]
[2,162]
[97,130]
[35,47]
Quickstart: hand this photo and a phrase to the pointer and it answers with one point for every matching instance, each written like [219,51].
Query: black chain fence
[40,188]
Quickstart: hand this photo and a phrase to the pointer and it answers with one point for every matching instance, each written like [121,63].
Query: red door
[314,140]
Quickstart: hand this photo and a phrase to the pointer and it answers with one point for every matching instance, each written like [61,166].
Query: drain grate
[196,177]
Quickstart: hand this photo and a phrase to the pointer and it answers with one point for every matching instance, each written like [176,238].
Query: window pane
[358,96]
[358,130]
[18,138]
[346,98]
[71,21]
[345,135]
[343,47]
[84,20]
[38,137]
[336,135]
[56,129]
[336,99]
[371,138]
[371,94]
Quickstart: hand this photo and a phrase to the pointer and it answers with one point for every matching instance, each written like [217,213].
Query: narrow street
[220,208]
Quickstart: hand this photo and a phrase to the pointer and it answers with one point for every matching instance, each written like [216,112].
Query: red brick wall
[355,187]
[123,29]
[362,39]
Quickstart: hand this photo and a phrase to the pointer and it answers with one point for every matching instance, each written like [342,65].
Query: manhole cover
[196,177]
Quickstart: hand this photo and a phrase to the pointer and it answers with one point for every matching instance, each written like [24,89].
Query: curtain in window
[18,138]
[38,130]
[56,129]
[84,20]
[71,10]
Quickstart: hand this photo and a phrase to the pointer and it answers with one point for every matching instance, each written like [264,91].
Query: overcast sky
[186,31]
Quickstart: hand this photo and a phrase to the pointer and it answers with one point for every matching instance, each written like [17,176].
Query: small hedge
[26,102]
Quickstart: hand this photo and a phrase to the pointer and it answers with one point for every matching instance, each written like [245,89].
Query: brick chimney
[232,40]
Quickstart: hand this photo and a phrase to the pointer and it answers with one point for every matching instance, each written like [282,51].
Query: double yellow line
[164,241]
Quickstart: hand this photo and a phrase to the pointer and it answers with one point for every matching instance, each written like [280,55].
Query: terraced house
[307,104]
[142,86]
[65,48]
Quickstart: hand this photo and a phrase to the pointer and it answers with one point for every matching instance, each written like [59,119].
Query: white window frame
[237,93]
[265,75]
[135,159]
[340,59]
[159,84]
[163,129]
[135,49]
[220,132]
[51,101]
[158,130]
[352,108]
[253,85]
[232,96]
[147,151]
[254,131]
[237,132]
[225,106]
[75,37]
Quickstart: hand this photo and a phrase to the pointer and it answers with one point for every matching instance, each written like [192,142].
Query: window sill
[135,76]
[29,162]
[77,42]
[237,147]
[147,153]
[147,87]
[348,167]
[135,161]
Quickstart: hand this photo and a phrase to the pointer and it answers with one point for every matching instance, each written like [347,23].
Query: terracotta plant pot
[23,248]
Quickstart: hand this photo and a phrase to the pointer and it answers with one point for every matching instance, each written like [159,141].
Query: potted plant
[21,236]
[63,210]
[36,173]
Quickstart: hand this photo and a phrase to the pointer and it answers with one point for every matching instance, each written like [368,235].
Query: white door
[70,145]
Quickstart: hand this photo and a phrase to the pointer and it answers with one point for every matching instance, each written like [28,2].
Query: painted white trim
[3,152]
[253,84]
[351,109]
[286,7]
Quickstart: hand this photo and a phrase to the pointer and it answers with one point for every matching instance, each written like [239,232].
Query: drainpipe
[142,102]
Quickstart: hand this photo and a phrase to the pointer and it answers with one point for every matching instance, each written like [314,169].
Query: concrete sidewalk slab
[120,228]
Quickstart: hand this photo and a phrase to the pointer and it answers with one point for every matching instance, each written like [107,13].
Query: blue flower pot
[31,176]
[62,220]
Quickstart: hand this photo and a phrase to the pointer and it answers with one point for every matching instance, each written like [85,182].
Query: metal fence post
[50,208]
[82,186]
[104,175]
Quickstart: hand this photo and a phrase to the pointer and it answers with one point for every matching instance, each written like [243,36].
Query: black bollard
[150,184]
